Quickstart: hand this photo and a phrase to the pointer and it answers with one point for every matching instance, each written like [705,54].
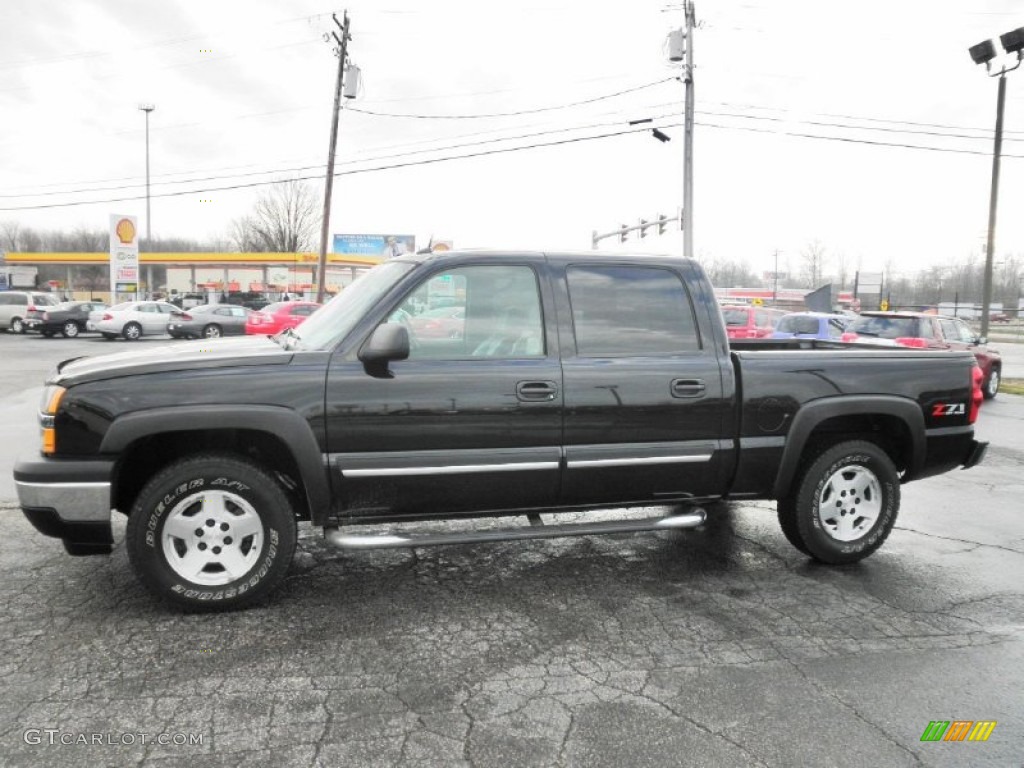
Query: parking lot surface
[718,646]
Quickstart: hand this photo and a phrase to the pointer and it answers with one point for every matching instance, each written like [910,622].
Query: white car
[132,319]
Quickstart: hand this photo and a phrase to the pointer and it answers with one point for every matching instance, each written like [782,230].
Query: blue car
[810,325]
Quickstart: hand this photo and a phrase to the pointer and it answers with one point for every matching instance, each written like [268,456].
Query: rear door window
[630,312]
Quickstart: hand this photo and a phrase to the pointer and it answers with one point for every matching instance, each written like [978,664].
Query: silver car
[133,319]
[15,305]
[208,321]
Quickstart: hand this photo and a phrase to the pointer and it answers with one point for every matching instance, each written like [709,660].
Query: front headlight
[48,406]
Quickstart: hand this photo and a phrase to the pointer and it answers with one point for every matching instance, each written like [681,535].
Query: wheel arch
[896,424]
[277,438]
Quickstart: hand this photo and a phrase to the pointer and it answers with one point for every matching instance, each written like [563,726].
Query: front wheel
[132,331]
[212,331]
[991,388]
[844,505]
[70,329]
[211,533]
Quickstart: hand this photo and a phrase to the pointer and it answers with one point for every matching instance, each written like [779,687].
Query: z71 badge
[948,409]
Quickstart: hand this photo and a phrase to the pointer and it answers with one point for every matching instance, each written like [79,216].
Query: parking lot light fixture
[984,53]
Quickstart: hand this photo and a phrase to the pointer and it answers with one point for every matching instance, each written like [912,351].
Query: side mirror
[390,341]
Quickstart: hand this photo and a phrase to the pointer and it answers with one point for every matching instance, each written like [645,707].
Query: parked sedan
[275,317]
[133,319]
[68,318]
[208,321]
[811,325]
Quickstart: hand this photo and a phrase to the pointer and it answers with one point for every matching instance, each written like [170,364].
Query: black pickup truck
[476,385]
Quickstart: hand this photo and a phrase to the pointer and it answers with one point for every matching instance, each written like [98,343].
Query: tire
[132,331]
[212,331]
[109,336]
[180,557]
[17,325]
[70,329]
[856,470]
[991,386]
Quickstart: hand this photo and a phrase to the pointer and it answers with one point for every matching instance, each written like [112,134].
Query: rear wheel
[214,532]
[132,331]
[17,325]
[212,331]
[991,388]
[844,505]
[70,329]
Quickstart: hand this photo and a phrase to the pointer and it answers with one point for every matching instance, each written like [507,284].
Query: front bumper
[69,500]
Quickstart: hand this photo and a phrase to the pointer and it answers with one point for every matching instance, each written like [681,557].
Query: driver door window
[482,312]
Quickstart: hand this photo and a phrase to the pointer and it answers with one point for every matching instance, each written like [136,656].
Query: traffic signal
[643,227]
[662,222]
[623,234]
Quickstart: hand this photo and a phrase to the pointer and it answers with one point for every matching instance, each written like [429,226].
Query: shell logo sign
[125,231]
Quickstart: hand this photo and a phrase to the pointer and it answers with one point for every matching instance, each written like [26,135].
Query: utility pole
[688,135]
[342,41]
[993,205]
[775,278]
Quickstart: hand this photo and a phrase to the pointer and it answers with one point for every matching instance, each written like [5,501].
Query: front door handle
[687,388]
[536,391]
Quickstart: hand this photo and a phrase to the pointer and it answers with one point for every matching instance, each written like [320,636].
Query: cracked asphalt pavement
[717,646]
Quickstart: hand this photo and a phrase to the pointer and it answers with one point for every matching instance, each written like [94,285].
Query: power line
[513,114]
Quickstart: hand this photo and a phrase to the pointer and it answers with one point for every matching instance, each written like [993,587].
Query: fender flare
[282,423]
[814,413]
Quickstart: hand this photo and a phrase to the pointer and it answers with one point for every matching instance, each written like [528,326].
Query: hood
[177,356]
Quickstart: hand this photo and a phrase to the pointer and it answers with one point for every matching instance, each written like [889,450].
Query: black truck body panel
[553,428]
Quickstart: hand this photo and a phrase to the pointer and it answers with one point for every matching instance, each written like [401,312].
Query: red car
[440,323]
[274,318]
[916,329]
[743,322]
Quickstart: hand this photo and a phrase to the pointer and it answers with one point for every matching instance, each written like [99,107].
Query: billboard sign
[382,246]
[124,254]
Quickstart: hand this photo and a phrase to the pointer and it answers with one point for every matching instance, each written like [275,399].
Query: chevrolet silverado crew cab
[572,382]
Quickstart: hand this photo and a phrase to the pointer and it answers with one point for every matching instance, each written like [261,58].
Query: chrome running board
[392,540]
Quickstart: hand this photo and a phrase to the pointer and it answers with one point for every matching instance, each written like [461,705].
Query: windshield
[333,321]
[884,327]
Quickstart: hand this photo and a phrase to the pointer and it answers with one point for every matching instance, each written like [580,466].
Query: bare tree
[813,257]
[284,220]
[11,235]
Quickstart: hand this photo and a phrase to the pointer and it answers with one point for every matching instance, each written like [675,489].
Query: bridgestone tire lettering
[172,487]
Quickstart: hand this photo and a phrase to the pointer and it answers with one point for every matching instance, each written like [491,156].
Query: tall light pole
[983,53]
[147,108]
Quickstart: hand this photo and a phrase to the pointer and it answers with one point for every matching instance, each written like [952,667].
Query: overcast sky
[863,126]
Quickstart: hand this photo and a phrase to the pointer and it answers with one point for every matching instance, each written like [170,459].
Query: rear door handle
[536,391]
[687,388]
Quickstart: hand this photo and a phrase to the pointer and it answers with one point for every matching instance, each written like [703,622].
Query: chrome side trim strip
[688,459]
[451,469]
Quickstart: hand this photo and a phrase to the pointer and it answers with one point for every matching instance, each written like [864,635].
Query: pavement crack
[974,544]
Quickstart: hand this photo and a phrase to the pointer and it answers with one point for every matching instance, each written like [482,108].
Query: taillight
[31,308]
[912,341]
[107,316]
[186,316]
[848,336]
[976,395]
